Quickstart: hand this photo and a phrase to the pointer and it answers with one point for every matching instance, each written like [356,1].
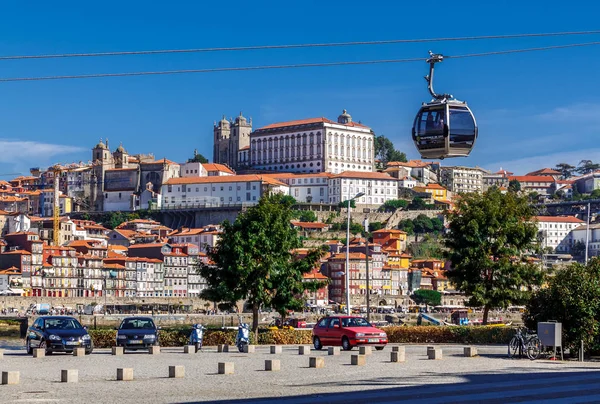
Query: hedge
[404,335]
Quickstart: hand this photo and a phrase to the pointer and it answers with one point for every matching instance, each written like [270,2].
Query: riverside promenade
[489,377]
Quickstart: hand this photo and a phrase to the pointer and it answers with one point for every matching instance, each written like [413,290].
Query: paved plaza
[489,377]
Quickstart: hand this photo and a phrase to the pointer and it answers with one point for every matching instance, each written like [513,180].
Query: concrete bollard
[276,349]
[69,376]
[316,362]
[223,348]
[333,350]
[1,353]
[364,350]
[358,360]
[272,365]
[39,353]
[125,374]
[400,348]
[117,351]
[470,351]
[435,354]
[249,348]
[154,350]
[10,377]
[189,349]
[79,352]
[226,368]
[176,372]
[397,356]
[304,350]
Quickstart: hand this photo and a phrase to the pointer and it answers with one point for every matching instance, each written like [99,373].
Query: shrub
[403,335]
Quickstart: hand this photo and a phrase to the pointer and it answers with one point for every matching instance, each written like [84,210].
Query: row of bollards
[397,355]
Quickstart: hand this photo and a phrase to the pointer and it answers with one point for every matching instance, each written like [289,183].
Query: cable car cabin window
[430,129]
[462,128]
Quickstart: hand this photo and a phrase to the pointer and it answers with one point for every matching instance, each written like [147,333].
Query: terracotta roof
[160,161]
[390,231]
[210,167]
[149,245]
[309,121]
[20,252]
[411,164]
[531,178]
[559,219]
[545,171]
[224,179]
[353,256]
[368,175]
[310,225]
[316,276]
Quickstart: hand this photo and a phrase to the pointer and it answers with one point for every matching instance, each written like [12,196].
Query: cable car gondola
[444,127]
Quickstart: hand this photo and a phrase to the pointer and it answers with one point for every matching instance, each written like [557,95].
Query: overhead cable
[289,66]
[297,46]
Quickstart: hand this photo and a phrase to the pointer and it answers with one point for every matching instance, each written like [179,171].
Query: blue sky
[534,109]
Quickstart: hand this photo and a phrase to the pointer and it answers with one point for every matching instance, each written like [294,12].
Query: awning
[15,291]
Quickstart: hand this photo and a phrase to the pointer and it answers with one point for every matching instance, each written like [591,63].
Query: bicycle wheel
[534,348]
[513,347]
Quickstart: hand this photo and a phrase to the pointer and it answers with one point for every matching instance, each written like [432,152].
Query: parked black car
[137,333]
[58,334]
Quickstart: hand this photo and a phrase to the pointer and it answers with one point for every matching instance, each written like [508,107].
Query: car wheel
[379,348]
[88,352]
[346,346]
[317,343]
[28,347]
[44,346]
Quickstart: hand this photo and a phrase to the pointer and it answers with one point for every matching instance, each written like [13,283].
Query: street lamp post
[587,233]
[348,253]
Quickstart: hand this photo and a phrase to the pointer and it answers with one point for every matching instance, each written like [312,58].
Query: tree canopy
[427,297]
[198,158]
[254,260]
[514,185]
[489,234]
[587,166]
[566,170]
[572,298]
[386,152]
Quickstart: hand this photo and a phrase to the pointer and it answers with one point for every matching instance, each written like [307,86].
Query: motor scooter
[243,336]
[197,336]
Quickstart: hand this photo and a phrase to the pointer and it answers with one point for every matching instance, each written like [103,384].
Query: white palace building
[313,145]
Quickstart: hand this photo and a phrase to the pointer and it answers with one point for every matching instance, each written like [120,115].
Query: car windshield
[62,324]
[137,324]
[355,322]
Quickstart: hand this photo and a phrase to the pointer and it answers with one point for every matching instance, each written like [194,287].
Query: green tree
[386,152]
[375,226]
[198,158]
[572,298]
[423,224]
[254,260]
[417,204]
[289,200]
[587,166]
[393,204]
[595,194]
[407,226]
[514,185]
[427,297]
[489,234]
[344,204]
[305,215]
[438,224]
[578,248]
[566,170]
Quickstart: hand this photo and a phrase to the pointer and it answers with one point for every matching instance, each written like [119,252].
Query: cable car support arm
[432,60]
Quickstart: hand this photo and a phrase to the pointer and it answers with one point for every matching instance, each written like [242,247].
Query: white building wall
[558,235]
[117,200]
[377,191]
[192,170]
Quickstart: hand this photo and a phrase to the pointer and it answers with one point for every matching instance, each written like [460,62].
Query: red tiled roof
[531,178]
[411,164]
[309,121]
[210,167]
[310,225]
[545,171]
[559,219]
[224,178]
[368,175]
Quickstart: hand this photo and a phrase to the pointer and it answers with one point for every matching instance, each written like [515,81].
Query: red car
[347,331]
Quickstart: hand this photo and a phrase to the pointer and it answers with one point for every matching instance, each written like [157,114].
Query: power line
[290,66]
[298,46]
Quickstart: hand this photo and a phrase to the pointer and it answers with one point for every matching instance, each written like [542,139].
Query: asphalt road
[489,378]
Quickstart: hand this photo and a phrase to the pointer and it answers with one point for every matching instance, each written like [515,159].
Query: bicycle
[527,342]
